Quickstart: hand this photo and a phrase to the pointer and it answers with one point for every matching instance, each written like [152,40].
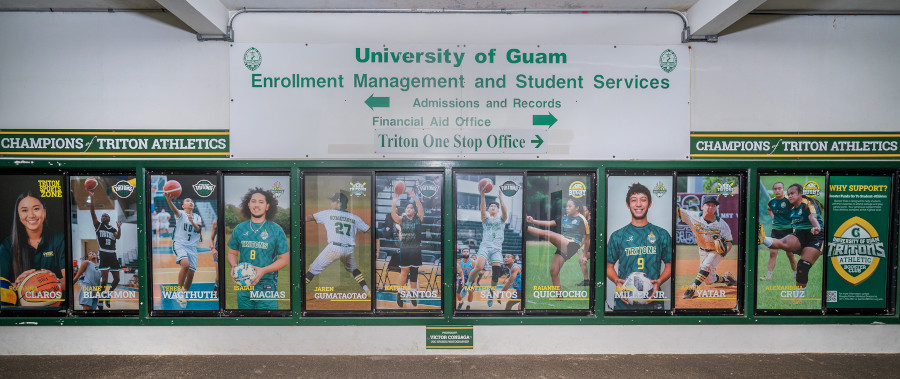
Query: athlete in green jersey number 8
[639,246]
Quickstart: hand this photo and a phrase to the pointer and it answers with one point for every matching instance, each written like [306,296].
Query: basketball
[90,184]
[172,187]
[485,185]
[40,289]
[399,188]
[8,296]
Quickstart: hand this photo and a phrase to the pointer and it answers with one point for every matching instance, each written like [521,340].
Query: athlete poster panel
[789,207]
[104,243]
[707,239]
[859,228]
[408,245]
[639,247]
[32,274]
[257,227]
[185,266]
[558,241]
[489,216]
[338,248]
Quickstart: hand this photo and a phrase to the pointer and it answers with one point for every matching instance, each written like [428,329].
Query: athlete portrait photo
[639,247]
[489,215]
[559,241]
[256,224]
[338,246]
[105,227]
[33,263]
[184,266]
[707,242]
[408,244]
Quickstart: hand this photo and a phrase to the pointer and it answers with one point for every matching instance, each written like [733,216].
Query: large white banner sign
[459,101]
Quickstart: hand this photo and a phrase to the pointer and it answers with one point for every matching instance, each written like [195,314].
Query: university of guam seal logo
[660,189]
[668,60]
[204,188]
[428,189]
[856,250]
[577,189]
[277,189]
[509,188]
[358,189]
[252,59]
[123,189]
[811,188]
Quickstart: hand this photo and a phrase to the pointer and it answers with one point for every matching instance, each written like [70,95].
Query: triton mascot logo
[252,59]
[358,189]
[660,189]
[428,189]
[510,188]
[856,250]
[277,189]
[725,189]
[123,189]
[811,188]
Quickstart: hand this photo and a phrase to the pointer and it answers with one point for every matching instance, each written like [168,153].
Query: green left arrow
[540,119]
[380,102]
[538,140]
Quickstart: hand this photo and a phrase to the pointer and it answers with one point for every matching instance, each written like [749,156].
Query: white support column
[204,16]
[711,17]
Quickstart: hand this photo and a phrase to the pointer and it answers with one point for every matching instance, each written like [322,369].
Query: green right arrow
[539,141]
[539,119]
[381,102]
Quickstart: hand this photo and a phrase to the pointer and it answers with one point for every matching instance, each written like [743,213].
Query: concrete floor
[456,366]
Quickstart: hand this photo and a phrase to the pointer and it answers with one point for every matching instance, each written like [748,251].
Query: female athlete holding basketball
[31,245]
[575,232]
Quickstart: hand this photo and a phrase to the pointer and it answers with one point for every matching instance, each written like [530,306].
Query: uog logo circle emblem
[668,60]
[252,59]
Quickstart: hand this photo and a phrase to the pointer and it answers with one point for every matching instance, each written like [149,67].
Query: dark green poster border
[141,167]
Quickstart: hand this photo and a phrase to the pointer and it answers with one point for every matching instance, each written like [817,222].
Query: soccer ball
[243,274]
[638,285]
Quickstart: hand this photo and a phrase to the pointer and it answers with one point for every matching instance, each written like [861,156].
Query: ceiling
[706,18]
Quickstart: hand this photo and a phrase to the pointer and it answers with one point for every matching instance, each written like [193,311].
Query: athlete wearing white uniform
[341,227]
[493,221]
[184,243]
[707,228]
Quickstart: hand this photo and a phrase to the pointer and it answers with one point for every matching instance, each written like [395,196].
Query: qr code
[831,296]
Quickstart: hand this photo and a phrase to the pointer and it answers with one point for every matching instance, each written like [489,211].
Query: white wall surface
[799,73]
[394,340]
[109,71]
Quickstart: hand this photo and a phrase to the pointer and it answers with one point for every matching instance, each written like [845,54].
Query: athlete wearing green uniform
[639,246]
[263,244]
[779,209]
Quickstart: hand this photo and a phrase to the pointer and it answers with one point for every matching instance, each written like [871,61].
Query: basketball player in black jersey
[109,260]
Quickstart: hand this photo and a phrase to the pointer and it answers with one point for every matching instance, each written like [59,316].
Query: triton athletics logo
[725,189]
[660,189]
[668,60]
[428,189]
[277,189]
[509,188]
[358,189]
[252,59]
[123,189]
[856,250]
[577,189]
[204,188]
[811,188]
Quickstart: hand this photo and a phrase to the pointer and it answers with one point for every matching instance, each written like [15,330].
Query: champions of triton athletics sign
[718,145]
[109,144]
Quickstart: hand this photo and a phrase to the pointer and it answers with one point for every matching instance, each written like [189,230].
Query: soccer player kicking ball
[260,242]
[779,210]
[341,227]
[493,221]
[575,232]
[807,238]
[714,241]
[184,243]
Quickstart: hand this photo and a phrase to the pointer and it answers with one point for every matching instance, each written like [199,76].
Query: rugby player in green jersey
[639,246]
[262,243]
[779,209]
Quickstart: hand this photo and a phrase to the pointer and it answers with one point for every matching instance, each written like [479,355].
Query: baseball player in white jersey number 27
[341,227]
[713,240]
